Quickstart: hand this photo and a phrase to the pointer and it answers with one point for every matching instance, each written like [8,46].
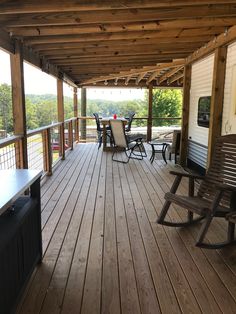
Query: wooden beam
[5,42]
[222,40]
[120,27]
[166,75]
[140,77]
[175,77]
[117,15]
[60,114]
[149,121]
[145,69]
[128,79]
[84,38]
[185,115]
[18,101]
[217,99]
[117,50]
[31,6]
[152,77]
[123,42]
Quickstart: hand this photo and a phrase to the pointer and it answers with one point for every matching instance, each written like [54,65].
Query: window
[204,104]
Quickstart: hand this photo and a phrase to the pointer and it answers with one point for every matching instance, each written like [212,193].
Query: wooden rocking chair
[214,196]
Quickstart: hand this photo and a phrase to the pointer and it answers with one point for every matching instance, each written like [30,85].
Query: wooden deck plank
[105,253]
[110,280]
[93,281]
[128,284]
[183,289]
[75,284]
[206,266]
[146,289]
[39,286]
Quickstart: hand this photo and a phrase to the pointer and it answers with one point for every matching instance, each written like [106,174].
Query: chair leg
[99,142]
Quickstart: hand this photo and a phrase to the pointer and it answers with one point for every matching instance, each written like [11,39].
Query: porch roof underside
[114,43]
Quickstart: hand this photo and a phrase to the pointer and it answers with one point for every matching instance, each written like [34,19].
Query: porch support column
[18,99]
[217,99]
[83,113]
[76,114]
[60,115]
[149,121]
[185,115]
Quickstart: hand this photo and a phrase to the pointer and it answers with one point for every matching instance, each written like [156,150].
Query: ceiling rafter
[120,41]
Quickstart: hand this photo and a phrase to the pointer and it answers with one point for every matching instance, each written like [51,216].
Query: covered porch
[105,253]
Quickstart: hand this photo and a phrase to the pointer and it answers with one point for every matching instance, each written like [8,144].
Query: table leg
[153,154]
[164,146]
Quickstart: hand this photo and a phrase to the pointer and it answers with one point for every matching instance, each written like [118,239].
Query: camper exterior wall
[201,85]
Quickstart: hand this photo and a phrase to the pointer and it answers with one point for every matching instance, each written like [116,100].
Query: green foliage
[41,110]
[166,103]
[6,117]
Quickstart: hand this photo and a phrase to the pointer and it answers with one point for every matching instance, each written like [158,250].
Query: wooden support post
[149,122]
[18,100]
[83,113]
[185,115]
[76,115]
[60,113]
[70,134]
[217,99]
[47,152]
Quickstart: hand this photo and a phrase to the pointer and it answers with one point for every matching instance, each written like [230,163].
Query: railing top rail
[43,128]
[69,120]
[137,118]
[10,140]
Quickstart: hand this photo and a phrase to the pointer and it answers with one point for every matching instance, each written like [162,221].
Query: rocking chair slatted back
[222,169]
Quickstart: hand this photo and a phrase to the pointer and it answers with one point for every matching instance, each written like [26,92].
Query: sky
[47,84]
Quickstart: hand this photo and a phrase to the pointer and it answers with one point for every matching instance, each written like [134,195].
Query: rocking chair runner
[135,146]
[214,195]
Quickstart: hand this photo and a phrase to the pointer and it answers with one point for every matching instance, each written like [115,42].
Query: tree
[167,103]
[6,115]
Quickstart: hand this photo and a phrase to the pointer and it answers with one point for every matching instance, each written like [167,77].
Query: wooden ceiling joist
[122,42]
[169,73]
[31,6]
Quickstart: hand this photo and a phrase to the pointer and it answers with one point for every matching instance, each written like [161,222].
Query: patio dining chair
[100,130]
[214,196]
[133,149]
[130,120]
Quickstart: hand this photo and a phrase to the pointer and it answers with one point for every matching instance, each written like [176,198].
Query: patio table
[163,144]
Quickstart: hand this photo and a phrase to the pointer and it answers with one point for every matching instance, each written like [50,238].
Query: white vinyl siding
[229,109]
[201,85]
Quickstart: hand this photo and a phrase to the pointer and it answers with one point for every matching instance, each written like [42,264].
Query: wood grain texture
[104,252]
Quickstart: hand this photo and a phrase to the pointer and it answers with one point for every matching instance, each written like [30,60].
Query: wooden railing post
[70,134]
[185,115]
[83,113]
[60,112]
[47,151]
[18,100]
[76,114]
[149,121]
[217,99]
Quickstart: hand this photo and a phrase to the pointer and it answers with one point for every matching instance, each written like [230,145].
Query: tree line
[41,110]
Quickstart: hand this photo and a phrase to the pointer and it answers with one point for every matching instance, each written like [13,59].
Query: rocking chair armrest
[187,175]
[225,187]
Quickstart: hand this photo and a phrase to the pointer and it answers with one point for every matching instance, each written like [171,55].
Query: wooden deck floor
[104,252]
